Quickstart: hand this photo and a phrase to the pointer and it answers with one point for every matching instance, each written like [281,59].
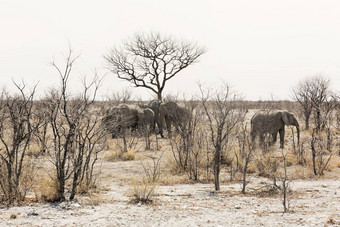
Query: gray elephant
[155,105]
[273,122]
[168,114]
[124,116]
[173,114]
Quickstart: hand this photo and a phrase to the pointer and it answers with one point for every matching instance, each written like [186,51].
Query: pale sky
[261,47]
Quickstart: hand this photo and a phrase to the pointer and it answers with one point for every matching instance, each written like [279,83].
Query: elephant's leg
[274,136]
[282,137]
[160,127]
[262,140]
[160,130]
[153,126]
[115,132]
[168,125]
[253,137]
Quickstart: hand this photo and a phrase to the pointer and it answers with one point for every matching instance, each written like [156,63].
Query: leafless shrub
[17,127]
[143,190]
[285,190]
[302,96]
[77,137]
[321,151]
[301,155]
[246,152]
[314,94]
[117,98]
[223,114]
[187,148]
[127,141]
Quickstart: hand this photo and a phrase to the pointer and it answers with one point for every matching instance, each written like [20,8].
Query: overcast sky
[262,48]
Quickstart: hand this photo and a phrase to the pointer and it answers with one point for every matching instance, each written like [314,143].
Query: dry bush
[188,145]
[112,155]
[34,150]
[171,179]
[26,181]
[266,164]
[17,127]
[129,155]
[46,188]
[117,155]
[90,188]
[322,150]
[173,167]
[142,191]
[76,133]
[300,172]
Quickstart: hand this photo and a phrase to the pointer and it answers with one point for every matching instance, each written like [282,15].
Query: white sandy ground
[314,203]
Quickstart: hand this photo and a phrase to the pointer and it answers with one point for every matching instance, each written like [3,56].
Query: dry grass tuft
[34,150]
[46,189]
[171,179]
[172,166]
[142,191]
[129,155]
[118,155]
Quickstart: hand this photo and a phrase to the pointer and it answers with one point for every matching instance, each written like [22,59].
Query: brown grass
[118,155]
[142,191]
[45,188]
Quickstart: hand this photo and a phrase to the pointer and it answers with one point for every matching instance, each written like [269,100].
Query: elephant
[169,113]
[124,116]
[175,115]
[155,105]
[273,122]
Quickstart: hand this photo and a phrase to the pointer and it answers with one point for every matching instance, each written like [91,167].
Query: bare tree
[313,93]
[221,109]
[119,97]
[330,104]
[322,150]
[150,60]
[17,126]
[187,146]
[76,135]
[285,190]
[318,90]
[246,148]
[302,96]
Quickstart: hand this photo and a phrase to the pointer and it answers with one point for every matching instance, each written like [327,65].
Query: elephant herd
[145,117]
[164,115]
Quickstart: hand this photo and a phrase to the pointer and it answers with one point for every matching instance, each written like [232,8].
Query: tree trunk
[313,153]
[307,122]
[217,167]
[244,181]
[61,189]
[159,96]
[9,179]
[318,120]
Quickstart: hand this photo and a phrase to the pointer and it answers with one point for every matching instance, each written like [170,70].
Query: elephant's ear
[285,118]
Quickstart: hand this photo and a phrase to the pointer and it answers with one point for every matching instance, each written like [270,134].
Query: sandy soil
[313,203]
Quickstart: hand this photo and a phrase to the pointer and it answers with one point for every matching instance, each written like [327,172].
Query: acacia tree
[150,60]
[223,113]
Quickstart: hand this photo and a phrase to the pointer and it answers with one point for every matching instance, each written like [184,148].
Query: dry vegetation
[141,176]
[57,157]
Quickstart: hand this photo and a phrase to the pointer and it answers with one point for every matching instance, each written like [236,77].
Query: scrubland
[151,188]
